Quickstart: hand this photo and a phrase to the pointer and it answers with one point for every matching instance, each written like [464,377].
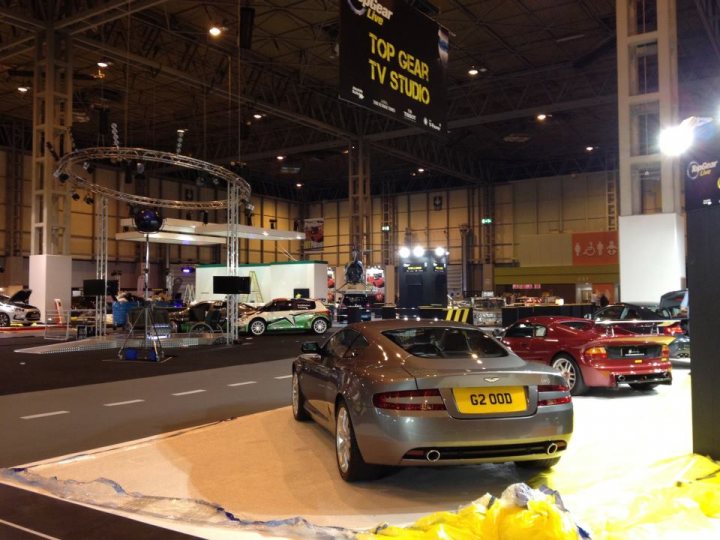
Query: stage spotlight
[200,180]
[89,199]
[132,210]
[89,167]
[75,195]
[139,171]
[63,177]
[148,221]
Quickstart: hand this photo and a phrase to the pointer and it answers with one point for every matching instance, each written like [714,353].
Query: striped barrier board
[459,315]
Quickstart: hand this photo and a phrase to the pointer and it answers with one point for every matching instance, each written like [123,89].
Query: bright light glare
[676,140]
[439,251]
[418,251]
[404,252]
[215,31]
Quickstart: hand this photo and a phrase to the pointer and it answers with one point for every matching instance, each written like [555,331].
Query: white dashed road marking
[42,415]
[117,403]
[284,377]
[31,531]
[242,383]
[189,392]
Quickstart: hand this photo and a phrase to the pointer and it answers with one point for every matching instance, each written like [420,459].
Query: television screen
[231,285]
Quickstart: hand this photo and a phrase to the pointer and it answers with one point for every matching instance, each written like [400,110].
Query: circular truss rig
[70,163]
[238,193]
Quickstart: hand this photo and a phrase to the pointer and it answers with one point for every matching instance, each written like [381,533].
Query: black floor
[26,515]
[22,372]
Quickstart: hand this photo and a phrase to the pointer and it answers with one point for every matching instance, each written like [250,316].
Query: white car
[15,309]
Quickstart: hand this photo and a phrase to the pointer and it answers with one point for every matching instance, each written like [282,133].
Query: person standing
[604,300]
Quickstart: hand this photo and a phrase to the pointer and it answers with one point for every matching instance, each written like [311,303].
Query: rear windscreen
[446,342]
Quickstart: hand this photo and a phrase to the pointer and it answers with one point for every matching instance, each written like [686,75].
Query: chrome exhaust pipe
[551,449]
[432,455]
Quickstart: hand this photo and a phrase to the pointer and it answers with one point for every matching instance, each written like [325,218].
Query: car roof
[552,319]
[377,327]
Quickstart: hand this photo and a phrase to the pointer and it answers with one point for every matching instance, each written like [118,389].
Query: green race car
[282,314]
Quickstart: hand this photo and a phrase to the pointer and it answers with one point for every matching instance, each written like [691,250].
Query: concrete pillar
[649,183]
[50,278]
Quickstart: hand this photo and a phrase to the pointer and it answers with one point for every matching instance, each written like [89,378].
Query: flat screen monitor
[96,287]
[231,285]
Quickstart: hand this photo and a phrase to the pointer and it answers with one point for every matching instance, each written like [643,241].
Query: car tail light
[665,352]
[596,353]
[410,400]
[673,329]
[554,401]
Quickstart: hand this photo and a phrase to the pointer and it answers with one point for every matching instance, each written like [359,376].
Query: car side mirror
[310,347]
[498,332]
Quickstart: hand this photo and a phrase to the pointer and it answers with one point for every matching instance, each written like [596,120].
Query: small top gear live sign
[702,173]
[393,61]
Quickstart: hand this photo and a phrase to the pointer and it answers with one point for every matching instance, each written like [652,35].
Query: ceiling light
[589,148]
[102,64]
[420,169]
[473,71]
[298,185]
[215,31]
[541,117]
[257,116]
[23,89]
[280,158]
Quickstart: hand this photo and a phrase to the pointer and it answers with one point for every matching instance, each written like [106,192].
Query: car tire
[351,465]
[200,329]
[298,400]
[643,387]
[320,325]
[539,464]
[257,327]
[570,370]
[4,319]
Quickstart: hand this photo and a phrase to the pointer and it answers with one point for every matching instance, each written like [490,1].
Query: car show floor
[258,474]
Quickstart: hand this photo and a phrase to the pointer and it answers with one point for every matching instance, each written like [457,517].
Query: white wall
[652,256]
[276,280]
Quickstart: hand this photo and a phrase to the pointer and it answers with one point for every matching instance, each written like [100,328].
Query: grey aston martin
[429,393]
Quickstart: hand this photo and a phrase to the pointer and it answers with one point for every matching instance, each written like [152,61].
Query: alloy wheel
[567,368]
[342,439]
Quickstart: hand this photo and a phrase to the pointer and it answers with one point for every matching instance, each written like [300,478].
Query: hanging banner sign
[393,61]
[314,233]
[702,177]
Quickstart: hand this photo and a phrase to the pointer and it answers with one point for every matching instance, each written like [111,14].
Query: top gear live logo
[375,11]
[695,169]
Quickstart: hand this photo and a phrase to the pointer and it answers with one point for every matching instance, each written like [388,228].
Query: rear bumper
[386,437]
[612,376]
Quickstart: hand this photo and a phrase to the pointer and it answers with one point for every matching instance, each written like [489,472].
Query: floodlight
[404,252]
[418,251]
[439,251]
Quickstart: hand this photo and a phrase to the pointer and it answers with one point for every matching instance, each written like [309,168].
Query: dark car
[638,318]
[429,393]
[184,319]
[356,299]
[15,309]
[590,354]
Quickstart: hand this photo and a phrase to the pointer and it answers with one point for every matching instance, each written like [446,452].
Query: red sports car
[588,356]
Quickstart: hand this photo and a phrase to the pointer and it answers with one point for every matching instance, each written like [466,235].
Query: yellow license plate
[497,399]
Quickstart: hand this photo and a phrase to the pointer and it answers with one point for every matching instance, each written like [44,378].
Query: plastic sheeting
[680,498]
[108,494]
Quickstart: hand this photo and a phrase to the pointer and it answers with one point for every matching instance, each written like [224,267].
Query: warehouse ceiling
[277,94]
